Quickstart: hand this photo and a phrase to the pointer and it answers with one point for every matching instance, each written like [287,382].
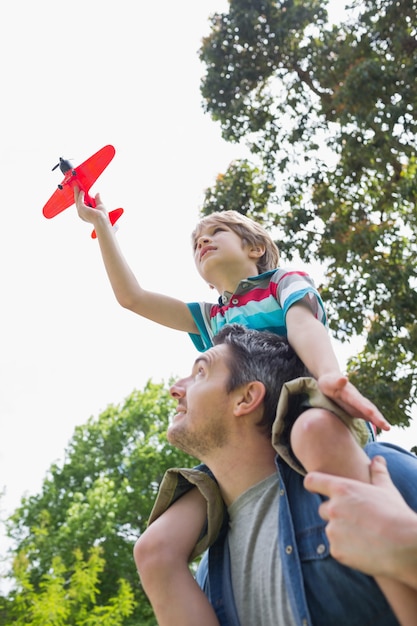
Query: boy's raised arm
[157,307]
[311,341]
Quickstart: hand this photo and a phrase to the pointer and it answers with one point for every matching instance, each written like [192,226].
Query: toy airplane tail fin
[113,217]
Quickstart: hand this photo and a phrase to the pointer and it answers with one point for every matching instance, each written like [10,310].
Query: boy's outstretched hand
[87,213]
[339,389]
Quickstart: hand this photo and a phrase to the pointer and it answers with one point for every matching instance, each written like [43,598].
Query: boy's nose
[203,240]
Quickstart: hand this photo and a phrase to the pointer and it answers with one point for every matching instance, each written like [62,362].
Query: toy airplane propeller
[83,177]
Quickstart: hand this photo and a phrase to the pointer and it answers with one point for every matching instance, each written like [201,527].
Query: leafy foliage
[73,559]
[68,597]
[329,114]
[242,188]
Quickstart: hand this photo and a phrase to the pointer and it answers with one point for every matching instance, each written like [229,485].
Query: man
[271,563]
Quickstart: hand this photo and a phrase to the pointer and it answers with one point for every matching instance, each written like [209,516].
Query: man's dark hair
[263,356]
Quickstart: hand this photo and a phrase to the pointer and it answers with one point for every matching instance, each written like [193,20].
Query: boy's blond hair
[248,230]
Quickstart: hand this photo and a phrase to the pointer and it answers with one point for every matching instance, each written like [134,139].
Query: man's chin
[172,434]
[175,438]
[169,434]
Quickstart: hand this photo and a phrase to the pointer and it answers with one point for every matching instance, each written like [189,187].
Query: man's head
[249,231]
[262,356]
[243,363]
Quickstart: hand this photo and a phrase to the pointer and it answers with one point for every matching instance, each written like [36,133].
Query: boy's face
[217,246]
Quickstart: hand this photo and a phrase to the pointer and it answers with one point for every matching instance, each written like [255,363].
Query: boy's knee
[151,551]
[314,423]
[141,551]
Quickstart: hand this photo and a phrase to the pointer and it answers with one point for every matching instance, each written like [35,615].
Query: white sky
[76,76]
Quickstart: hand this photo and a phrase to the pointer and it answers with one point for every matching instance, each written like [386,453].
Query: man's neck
[235,474]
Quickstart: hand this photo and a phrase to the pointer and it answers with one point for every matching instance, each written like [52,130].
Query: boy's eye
[213,231]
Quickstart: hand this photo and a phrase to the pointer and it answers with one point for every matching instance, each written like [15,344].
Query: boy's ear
[255,252]
[250,398]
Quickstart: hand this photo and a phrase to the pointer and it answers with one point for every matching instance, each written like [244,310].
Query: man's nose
[177,390]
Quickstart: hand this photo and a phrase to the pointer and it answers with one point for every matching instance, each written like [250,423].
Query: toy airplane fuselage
[83,176]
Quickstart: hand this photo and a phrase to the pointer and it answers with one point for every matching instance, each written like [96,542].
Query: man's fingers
[317,482]
[379,472]
[328,485]
[324,511]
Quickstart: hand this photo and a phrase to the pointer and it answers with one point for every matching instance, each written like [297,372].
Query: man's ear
[251,397]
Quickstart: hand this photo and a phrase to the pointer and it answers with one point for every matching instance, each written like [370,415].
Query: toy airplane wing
[83,176]
[60,200]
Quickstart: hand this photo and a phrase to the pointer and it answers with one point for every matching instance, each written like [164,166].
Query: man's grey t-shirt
[257,579]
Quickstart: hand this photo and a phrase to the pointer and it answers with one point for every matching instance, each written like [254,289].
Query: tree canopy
[328,112]
[72,556]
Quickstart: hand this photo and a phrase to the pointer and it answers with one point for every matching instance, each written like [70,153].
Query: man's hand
[339,389]
[370,526]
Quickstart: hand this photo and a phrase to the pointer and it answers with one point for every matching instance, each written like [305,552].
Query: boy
[238,258]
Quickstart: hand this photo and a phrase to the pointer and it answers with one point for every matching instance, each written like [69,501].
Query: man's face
[200,424]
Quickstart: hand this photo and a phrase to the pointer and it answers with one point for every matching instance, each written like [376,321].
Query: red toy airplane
[83,177]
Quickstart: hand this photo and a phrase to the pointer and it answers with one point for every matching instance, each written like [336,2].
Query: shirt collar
[245,285]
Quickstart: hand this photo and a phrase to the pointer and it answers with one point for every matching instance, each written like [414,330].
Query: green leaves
[68,596]
[242,188]
[73,542]
[329,114]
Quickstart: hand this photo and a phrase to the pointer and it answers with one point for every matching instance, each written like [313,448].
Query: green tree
[329,113]
[80,530]
[67,597]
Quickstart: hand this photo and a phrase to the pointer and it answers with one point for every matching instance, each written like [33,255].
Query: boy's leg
[322,442]
[403,600]
[161,556]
